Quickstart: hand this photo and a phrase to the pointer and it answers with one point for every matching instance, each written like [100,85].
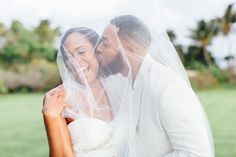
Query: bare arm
[56,127]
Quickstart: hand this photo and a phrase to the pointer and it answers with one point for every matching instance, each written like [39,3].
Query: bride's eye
[81,51]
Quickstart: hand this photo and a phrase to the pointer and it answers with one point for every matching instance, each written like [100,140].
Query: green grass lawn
[22,132]
[220,106]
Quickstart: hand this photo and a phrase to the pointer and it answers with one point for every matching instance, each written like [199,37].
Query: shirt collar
[146,63]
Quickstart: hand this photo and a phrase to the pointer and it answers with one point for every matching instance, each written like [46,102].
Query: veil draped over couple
[125,93]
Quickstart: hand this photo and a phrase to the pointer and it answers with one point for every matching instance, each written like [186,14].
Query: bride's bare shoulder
[57,88]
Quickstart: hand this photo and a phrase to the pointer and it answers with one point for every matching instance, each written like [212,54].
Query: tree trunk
[206,56]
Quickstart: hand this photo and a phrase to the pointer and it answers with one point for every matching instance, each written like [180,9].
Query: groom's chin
[106,71]
[114,67]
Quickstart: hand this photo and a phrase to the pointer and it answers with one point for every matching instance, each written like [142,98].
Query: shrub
[38,75]
[219,74]
[203,79]
[196,65]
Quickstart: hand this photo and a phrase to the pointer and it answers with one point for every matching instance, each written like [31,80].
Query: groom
[171,122]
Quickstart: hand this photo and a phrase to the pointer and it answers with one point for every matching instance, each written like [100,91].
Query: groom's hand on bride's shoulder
[53,102]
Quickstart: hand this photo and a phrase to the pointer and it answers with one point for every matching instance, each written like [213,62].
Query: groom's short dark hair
[130,26]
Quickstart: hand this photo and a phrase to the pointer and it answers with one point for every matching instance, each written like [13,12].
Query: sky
[178,15]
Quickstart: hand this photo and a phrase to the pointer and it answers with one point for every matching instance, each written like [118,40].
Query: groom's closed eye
[105,42]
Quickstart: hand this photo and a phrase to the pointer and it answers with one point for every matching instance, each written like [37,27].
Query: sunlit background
[203,32]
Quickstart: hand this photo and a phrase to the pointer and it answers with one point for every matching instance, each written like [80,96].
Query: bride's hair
[131,27]
[89,33]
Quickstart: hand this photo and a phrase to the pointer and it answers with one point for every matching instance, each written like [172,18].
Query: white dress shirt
[170,119]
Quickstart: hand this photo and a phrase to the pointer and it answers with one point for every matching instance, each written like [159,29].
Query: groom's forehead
[110,31]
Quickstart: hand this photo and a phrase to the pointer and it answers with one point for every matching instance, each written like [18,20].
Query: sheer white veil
[163,52]
[91,92]
[115,73]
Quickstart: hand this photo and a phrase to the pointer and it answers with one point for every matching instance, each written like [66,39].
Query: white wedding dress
[93,137]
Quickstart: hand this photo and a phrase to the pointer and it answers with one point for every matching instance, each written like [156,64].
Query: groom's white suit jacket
[170,119]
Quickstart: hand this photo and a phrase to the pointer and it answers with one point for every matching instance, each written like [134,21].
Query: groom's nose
[98,50]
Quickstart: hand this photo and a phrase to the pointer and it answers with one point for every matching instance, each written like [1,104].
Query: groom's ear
[131,48]
[128,44]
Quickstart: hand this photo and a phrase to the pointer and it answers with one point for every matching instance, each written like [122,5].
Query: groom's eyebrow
[105,39]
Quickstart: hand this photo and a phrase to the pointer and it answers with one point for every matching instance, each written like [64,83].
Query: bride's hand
[53,104]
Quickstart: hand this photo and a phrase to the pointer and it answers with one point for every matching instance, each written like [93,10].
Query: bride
[82,116]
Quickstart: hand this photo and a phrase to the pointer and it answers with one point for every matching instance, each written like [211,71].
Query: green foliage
[204,32]
[203,35]
[219,74]
[27,57]
[229,15]
[22,45]
[45,33]
[196,65]
[194,58]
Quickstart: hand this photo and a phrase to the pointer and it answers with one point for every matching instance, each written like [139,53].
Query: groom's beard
[114,67]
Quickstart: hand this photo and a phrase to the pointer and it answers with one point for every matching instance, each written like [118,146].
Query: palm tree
[46,33]
[203,34]
[178,47]
[228,19]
